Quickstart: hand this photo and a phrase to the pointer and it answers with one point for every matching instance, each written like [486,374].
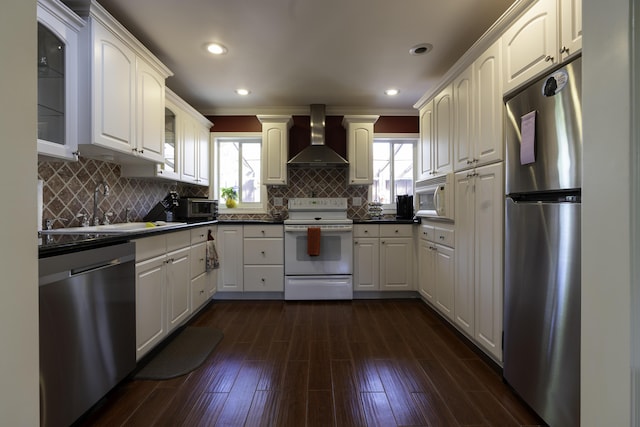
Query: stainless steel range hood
[318,154]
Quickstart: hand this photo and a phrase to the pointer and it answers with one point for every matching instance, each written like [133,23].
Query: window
[238,161]
[392,170]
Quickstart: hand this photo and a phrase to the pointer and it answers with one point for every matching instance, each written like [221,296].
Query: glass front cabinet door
[57,63]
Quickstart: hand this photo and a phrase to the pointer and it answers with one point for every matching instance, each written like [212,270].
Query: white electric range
[329,275]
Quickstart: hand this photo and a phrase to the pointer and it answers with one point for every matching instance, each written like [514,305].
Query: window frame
[414,139]
[241,208]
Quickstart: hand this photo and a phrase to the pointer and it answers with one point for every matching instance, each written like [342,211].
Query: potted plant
[230,196]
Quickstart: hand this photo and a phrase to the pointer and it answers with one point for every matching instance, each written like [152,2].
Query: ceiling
[292,53]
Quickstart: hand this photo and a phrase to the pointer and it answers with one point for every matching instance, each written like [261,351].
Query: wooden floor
[356,363]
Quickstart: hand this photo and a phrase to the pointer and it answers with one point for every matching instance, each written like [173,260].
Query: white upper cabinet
[275,148]
[58,29]
[464,138]
[425,151]
[546,34]
[530,44]
[435,152]
[443,131]
[121,112]
[150,112]
[185,151]
[570,27]
[488,107]
[360,148]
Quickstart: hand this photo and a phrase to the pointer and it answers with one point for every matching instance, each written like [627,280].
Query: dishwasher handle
[95,267]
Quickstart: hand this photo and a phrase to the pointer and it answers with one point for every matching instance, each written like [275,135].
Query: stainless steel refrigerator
[542,245]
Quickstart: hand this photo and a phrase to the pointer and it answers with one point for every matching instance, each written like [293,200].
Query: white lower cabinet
[202,281]
[436,268]
[230,275]
[383,257]
[479,219]
[263,255]
[178,290]
[162,287]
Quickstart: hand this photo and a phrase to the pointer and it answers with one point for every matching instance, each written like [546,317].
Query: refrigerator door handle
[437,199]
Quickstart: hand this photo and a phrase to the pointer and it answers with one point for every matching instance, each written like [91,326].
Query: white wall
[606,219]
[19,399]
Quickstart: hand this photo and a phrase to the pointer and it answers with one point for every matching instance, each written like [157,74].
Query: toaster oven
[196,209]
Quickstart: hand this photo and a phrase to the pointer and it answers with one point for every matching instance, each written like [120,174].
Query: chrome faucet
[105,193]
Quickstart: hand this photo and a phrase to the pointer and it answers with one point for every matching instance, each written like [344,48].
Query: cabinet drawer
[263,251]
[149,247]
[427,232]
[403,230]
[198,259]
[178,239]
[443,236]
[263,231]
[199,235]
[366,230]
[267,278]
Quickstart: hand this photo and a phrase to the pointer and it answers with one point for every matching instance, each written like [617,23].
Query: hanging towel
[212,254]
[313,241]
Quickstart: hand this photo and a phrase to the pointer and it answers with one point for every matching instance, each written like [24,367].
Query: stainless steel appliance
[327,275]
[87,329]
[196,209]
[435,197]
[542,245]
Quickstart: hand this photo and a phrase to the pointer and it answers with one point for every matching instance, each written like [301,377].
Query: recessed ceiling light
[216,49]
[421,49]
[391,92]
[243,92]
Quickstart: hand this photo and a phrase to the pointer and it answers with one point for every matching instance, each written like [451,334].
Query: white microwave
[435,197]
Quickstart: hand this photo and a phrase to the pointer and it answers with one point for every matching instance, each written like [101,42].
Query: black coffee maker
[404,207]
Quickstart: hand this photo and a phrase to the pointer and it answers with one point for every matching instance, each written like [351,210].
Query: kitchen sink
[125,227]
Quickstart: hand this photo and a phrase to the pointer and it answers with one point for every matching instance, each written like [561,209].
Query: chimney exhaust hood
[318,154]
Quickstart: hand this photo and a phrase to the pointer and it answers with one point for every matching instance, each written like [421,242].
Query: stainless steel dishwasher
[87,328]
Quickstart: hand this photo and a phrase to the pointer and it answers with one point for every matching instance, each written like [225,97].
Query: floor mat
[183,354]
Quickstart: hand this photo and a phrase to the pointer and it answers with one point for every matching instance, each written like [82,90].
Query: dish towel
[313,241]
[212,254]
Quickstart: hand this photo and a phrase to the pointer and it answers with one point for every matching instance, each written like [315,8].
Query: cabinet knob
[262,231]
[564,49]
[441,237]
[397,231]
[262,280]
[549,58]
[383,242]
[262,252]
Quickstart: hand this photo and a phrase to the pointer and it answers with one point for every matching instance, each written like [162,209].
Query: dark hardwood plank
[264,409]
[238,403]
[443,384]
[320,409]
[377,411]
[323,363]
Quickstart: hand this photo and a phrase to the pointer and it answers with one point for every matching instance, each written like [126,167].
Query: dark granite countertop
[58,244]
[386,221]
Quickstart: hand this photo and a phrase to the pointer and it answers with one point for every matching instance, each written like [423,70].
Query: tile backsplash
[313,182]
[69,187]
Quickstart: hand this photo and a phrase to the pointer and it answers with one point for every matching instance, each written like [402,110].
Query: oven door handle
[323,229]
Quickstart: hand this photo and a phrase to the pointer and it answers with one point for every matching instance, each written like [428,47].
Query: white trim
[635,219]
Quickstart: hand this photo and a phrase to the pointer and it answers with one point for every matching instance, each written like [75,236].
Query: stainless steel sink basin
[125,227]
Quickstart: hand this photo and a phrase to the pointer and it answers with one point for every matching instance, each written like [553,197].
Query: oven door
[336,251]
